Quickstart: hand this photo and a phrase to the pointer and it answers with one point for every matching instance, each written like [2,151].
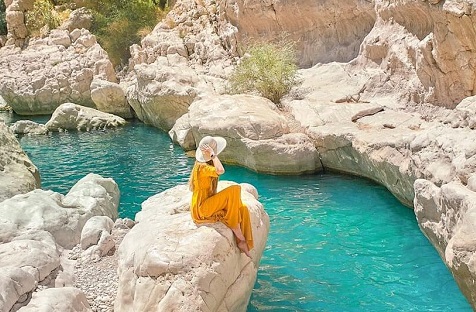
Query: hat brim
[221,144]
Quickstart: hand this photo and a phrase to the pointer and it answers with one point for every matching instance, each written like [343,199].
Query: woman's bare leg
[241,241]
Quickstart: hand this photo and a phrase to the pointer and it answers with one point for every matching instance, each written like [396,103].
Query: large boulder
[162,92]
[53,70]
[71,116]
[61,215]
[18,174]
[169,263]
[258,135]
[24,262]
[79,18]
[110,98]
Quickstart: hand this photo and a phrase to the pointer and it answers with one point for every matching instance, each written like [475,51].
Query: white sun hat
[217,143]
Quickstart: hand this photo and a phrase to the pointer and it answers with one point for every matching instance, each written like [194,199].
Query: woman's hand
[207,151]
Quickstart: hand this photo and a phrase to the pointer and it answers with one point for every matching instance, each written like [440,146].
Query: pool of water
[336,243]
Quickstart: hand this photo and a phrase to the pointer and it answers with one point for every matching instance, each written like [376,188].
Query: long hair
[194,175]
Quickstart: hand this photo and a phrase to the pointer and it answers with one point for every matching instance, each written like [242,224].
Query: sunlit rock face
[18,174]
[425,51]
[324,31]
[53,70]
[169,263]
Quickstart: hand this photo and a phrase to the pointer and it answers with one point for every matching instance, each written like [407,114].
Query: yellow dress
[225,206]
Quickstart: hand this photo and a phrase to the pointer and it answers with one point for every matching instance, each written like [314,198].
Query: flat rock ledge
[168,263]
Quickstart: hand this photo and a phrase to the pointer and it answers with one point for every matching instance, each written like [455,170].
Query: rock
[53,70]
[75,117]
[36,257]
[93,230]
[124,223]
[65,299]
[28,127]
[447,216]
[79,18]
[14,283]
[62,216]
[18,174]
[110,98]
[162,92]
[176,265]
[366,112]
[181,134]
[257,134]
[60,37]
[319,36]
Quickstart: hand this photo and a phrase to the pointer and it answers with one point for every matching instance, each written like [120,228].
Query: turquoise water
[336,243]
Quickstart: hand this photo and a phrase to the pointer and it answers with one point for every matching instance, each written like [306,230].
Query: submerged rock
[168,263]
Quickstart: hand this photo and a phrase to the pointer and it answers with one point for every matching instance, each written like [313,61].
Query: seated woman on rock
[226,206]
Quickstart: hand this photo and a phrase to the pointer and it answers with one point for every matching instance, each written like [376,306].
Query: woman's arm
[218,165]
[207,150]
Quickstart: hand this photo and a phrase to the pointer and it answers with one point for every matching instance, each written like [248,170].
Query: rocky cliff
[387,93]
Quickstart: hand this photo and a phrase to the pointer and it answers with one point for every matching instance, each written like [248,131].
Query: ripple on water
[336,243]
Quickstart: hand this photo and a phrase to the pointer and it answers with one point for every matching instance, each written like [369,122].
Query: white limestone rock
[28,127]
[53,70]
[162,92]
[14,283]
[110,98]
[36,257]
[65,299]
[93,229]
[71,116]
[168,263]
[61,215]
[18,174]
[447,216]
[258,135]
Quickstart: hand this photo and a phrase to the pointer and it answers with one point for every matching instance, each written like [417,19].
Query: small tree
[268,69]
[42,14]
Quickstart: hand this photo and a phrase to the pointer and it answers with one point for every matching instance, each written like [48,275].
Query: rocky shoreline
[386,94]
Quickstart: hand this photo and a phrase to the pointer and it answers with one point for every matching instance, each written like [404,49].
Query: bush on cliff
[119,23]
[267,69]
[43,14]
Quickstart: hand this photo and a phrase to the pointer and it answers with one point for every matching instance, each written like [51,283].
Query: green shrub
[3,21]
[268,69]
[119,23]
[42,14]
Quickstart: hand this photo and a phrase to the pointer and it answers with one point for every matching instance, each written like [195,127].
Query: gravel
[97,276]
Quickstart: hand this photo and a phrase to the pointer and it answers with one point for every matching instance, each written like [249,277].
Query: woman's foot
[244,247]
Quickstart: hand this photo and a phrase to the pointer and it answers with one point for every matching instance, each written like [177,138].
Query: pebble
[98,278]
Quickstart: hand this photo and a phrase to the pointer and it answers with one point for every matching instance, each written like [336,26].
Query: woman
[226,206]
